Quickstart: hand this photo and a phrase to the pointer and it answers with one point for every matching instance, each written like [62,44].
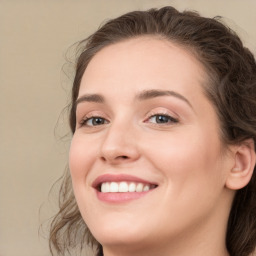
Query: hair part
[231,70]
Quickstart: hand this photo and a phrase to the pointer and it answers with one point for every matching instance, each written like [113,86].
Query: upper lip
[117,178]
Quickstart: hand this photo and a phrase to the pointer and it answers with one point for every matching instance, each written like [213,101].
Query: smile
[123,187]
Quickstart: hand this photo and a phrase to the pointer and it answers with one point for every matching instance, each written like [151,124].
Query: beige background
[34,36]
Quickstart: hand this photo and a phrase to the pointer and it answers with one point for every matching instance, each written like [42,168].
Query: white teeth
[132,187]
[113,187]
[103,187]
[123,187]
[146,188]
[139,187]
[107,189]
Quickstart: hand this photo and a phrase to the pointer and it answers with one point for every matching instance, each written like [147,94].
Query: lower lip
[120,197]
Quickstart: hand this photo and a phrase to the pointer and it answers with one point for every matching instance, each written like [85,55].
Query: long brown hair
[231,69]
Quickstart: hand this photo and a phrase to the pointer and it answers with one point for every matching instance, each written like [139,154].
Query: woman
[162,159]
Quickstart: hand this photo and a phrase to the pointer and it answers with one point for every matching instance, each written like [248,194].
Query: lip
[118,178]
[120,197]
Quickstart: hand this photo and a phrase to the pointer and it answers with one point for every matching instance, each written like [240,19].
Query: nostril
[114,158]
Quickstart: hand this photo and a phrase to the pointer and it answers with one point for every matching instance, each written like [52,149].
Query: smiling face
[146,160]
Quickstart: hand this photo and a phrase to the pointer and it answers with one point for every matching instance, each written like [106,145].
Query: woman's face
[146,160]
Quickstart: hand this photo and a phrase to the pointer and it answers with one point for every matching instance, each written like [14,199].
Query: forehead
[142,62]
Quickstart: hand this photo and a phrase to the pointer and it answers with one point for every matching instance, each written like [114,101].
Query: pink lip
[117,178]
[119,197]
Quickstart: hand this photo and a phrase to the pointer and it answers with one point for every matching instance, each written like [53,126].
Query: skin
[187,213]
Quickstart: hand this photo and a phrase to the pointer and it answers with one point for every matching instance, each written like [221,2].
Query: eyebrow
[144,95]
[149,94]
[97,98]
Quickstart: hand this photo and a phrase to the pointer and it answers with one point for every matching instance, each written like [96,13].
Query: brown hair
[232,89]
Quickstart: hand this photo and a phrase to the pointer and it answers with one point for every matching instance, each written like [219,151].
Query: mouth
[121,187]
[124,187]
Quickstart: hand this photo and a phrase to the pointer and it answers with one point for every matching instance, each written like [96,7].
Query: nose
[119,145]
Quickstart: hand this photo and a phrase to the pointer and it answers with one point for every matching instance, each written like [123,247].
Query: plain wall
[34,37]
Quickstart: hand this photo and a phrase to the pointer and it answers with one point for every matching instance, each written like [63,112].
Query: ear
[244,163]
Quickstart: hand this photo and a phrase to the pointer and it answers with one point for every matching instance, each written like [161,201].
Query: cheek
[81,158]
[189,157]
[192,169]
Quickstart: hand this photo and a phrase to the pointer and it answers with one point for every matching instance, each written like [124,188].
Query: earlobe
[244,163]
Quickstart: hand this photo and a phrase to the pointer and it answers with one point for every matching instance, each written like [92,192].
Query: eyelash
[167,120]
[85,121]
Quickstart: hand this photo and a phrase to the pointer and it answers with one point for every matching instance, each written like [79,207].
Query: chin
[119,233]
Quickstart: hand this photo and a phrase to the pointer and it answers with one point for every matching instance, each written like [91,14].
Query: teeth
[132,187]
[139,187]
[146,188]
[103,187]
[113,187]
[123,187]
[107,186]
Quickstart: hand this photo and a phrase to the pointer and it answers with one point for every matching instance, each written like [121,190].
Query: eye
[94,121]
[162,119]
